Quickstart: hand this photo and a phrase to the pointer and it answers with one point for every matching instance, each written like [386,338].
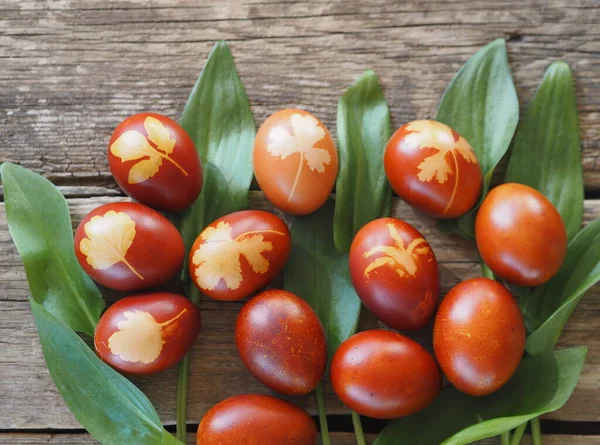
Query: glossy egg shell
[385,375]
[238,254]
[168,180]
[433,168]
[145,334]
[127,246]
[281,341]
[520,235]
[479,336]
[253,419]
[295,161]
[395,273]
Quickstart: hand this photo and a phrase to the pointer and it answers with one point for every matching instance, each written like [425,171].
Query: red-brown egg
[238,254]
[395,273]
[155,162]
[384,375]
[479,336]
[254,419]
[281,341]
[433,168]
[520,235]
[145,334]
[295,161]
[127,246]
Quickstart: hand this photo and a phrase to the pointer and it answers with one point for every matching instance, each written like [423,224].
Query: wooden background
[71,70]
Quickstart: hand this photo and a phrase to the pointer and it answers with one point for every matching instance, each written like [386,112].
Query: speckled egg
[479,336]
[281,341]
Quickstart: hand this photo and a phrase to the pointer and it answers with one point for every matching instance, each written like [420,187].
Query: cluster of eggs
[478,332]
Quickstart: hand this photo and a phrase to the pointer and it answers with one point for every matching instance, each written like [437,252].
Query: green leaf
[481,104]
[363,130]
[546,154]
[547,308]
[40,225]
[108,405]
[217,116]
[319,274]
[541,384]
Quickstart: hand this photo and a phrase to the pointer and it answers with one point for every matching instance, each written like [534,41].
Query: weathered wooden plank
[71,71]
[28,398]
[336,438]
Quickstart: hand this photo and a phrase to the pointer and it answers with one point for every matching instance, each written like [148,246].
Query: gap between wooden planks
[71,71]
[29,400]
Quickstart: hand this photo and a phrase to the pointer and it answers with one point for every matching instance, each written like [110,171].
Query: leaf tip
[559,68]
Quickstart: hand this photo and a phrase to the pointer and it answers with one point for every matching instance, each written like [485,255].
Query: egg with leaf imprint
[433,168]
[238,254]
[145,334]
[295,161]
[127,246]
[395,273]
[155,161]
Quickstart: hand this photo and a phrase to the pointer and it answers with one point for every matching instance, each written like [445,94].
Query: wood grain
[336,438]
[215,355]
[72,70]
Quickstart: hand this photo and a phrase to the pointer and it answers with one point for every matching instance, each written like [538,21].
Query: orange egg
[295,161]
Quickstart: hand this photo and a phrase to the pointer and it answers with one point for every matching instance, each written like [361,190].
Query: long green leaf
[548,307]
[319,274]
[541,384]
[546,154]
[363,129]
[108,405]
[217,116]
[40,225]
[481,104]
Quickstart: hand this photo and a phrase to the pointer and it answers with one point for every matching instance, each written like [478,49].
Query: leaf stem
[322,414]
[486,272]
[182,390]
[536,431]
[358,429]
[183,373]
[132,268]
[505,438]
[174,163]
[297,178]
[518,434]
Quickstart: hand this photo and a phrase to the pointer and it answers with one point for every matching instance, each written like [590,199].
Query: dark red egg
[433,168]
[479,336]
[127,246]
[395,273]
[520,235]
[155,162]
[385,375]
[238,254]
[145,334]
[281,341]
[253,419]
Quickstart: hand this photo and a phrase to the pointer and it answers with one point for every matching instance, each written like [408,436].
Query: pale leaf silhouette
[306,133]
[400,258]
[218,258]
[133,145]
[108,238]
[140,338]
[432,134]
